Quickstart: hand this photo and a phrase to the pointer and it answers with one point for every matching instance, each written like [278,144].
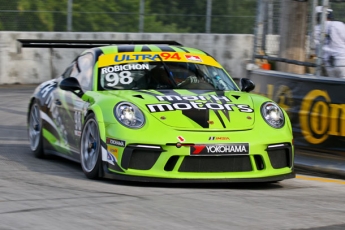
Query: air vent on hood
[138,96]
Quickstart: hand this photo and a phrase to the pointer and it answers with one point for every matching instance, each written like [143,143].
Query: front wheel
[90,148]
[35,130]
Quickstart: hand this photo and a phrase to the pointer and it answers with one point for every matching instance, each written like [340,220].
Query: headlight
[273,115]
[129,115]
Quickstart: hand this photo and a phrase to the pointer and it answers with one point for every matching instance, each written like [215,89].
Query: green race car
[146,111]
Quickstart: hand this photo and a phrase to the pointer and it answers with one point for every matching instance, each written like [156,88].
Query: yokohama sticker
[220,149]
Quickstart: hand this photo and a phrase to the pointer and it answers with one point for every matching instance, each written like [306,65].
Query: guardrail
[278,59]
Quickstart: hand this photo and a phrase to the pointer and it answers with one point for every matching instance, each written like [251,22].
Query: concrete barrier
[33,65]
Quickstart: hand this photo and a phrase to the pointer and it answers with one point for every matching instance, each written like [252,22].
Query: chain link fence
[178,16]
[267,30]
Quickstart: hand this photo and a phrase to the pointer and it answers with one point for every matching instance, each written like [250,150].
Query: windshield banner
[130,57]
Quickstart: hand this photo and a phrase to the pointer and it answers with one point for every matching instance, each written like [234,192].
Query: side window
[71,71]
[85,64]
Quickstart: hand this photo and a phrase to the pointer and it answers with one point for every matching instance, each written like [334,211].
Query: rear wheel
[90,148]
[35,130]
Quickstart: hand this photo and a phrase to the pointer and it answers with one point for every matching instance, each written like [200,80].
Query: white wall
[34,65]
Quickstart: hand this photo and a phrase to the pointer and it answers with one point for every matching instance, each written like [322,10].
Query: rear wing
[85,44]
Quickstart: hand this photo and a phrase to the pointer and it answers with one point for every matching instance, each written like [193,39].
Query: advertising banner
[315,105]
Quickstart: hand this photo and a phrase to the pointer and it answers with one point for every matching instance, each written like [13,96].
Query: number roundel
[124,78]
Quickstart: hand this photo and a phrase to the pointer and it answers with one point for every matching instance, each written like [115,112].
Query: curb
[320,162]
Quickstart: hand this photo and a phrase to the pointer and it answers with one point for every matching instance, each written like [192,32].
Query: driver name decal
[118,68]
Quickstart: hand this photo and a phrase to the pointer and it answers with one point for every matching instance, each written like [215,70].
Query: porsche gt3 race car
[146,111]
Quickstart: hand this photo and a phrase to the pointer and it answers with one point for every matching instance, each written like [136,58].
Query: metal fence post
[141,16]
[270,17]
[265,15]
[312,30]
[69,15]
[321,38]
[258,28]
[208,16]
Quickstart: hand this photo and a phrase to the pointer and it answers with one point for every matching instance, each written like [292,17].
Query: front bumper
[157,157]
[172,163]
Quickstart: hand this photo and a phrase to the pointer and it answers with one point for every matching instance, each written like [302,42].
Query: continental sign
[316,109]
[319,117]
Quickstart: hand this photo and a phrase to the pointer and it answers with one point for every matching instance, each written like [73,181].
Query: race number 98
[124,78]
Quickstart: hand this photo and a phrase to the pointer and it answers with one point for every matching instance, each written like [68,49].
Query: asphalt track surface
[53,194]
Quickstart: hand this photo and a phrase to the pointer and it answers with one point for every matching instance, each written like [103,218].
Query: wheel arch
[31,101]
[97,111]
[98,115]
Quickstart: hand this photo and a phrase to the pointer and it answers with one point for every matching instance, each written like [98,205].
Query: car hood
[193,110]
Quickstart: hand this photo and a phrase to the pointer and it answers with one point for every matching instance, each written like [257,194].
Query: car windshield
[164,75]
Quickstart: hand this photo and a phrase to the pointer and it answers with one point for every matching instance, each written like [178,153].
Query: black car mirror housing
[71,84]
[246,85]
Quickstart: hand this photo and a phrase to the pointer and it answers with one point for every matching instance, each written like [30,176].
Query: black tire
[90,148]
[35,130]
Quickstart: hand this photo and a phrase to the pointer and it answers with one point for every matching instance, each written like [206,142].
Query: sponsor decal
[146,57]
[180,138]
[77,123]
[167,56]
[77,105]
[56,119]
[110,158]
[112,151]
[47,87]
[232,149]
[85,108]
[320,118]
[221,103]
[77,133]
[106,156]
[135,57]
[218,138]
[193,58]
[116,142]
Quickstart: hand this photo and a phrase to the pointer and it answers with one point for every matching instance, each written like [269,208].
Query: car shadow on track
[59,166]
[230,185]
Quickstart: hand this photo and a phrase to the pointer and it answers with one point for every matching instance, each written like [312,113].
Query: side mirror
[71,84]
[246,85]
